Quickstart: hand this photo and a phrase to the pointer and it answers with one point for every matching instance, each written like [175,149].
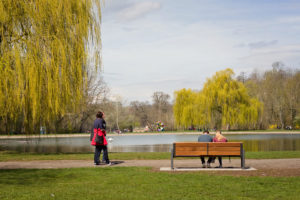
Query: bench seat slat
[191,148]
[224,144]
[190,153]
[204,153]
[224,148]
[191,144]
[224,153]
[233,144]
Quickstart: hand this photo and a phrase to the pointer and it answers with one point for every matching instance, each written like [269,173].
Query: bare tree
[160,103]
[141,111]
[279,90]
[95,96]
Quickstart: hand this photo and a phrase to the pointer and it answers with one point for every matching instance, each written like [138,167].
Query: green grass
[12,156]
[273,154]
[140,183]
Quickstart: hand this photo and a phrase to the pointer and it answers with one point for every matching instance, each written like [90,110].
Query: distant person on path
[219,138]
[100,129]
[205,137]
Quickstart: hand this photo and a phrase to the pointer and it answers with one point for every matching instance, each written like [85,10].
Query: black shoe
[220,166]
[96,163]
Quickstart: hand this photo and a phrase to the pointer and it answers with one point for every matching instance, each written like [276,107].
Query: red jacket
[100,133]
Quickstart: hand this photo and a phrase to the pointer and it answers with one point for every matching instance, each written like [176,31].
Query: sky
[167,45]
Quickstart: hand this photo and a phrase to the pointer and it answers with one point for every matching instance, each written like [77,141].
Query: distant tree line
[261,100]
[279,91]
[119,115]
[139,114]
[258,100]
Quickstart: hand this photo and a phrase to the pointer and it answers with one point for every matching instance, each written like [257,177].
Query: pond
[146,143]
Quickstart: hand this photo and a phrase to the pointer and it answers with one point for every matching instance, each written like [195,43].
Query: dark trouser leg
[220,160]
[105,154]
[210,159]
[202,159]
[97,154]
[213,159]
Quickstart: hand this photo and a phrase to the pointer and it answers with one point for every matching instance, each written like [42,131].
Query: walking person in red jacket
[219,138]
[100,130]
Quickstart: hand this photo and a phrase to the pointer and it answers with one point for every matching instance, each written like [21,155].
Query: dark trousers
[98,150]
[208,161]
[220,160]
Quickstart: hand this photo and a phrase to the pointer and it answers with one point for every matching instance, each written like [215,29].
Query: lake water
[147,143]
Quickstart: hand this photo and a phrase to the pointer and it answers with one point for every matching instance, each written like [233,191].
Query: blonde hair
[219,136]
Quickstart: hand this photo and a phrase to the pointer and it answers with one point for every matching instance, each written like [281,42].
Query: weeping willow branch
[43,58]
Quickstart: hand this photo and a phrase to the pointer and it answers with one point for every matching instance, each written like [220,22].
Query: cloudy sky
[167,45]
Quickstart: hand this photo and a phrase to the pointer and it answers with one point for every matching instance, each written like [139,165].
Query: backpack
[99,139]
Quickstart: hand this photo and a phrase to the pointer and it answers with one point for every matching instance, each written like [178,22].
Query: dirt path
[265,167]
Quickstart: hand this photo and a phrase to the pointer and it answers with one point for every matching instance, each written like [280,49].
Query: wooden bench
[197,149]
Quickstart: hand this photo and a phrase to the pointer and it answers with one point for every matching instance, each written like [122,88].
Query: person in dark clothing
[100,129]
[205,137]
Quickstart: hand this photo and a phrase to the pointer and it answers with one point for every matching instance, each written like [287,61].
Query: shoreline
[131,134]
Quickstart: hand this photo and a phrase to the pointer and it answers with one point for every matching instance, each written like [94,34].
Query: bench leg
[243,159]
[172,157]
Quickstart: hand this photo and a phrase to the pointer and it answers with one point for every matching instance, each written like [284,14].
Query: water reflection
[146,143]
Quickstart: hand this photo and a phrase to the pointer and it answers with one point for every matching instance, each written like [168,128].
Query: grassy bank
[13,156]
[268,131]
[140,183]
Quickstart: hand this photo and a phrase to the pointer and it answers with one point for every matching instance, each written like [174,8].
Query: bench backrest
[195,149]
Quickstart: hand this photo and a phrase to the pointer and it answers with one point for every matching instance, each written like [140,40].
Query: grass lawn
[140,183]
[12,156]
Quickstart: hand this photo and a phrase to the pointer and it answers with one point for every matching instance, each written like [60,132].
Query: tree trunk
[281,119]
[228,127]
[6,125]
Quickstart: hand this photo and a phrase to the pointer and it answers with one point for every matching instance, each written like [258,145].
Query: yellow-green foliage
[43,63]
[183,107]
[273,126]
[222,102]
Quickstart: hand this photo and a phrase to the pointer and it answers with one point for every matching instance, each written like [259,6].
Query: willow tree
[184,107]
[44,58]
[228,103]
[222,103]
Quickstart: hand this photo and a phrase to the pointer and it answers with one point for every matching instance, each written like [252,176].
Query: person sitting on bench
[219,138]
[205,137]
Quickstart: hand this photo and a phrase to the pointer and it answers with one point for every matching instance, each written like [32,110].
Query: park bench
[209,149]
